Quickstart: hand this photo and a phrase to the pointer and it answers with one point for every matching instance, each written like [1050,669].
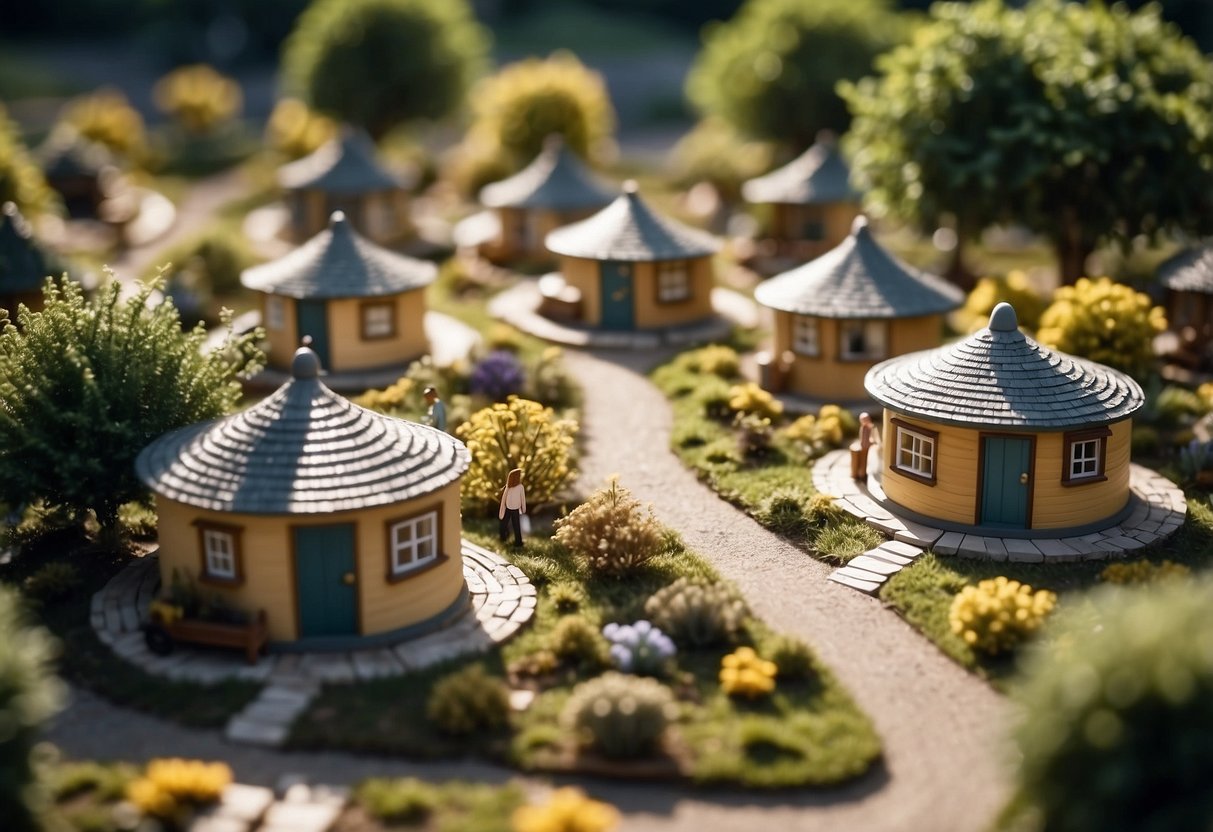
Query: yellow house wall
[269,576]
[349,351]
[280,343]
[506,247]
[954,495]
[1056,506]
[648,313]
[836,220]
[583,274]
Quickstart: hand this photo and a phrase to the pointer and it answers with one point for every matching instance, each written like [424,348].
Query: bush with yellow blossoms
[517,433]
[107,117]
[1106,322]
[295,130]
[612,531]
[394,400]
[198,98]
[713,360]
[997,614]
[751,399]
[169,787]
[744,673]
[1143,572]
[1014,288]
[829,428]
[567,810]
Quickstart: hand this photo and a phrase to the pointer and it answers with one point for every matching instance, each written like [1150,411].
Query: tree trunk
[958,270]
[1073,248]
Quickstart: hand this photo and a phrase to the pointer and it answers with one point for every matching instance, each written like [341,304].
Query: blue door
[325,580]
[1006,469]
[311,320]
[616,281]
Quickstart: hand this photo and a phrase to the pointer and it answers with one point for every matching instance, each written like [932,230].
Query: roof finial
[336,218]
[826,137]
[860,225]
[553,142]
[306,364]
[1003,318]
[630,187]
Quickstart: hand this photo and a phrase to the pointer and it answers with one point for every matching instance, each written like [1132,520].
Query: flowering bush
[751,399]
[621,716]
[295,130]
[744,673]
[754,434]
[198,98]
[394,399]
[612,531]
[576,640]
[1014,288]
[639,648]
[518,433]
[168,786]
[830,428]
[714,360]
[997,614]
[1143,572]
[497,375]
[107,117]
[1105,322]
[567,810]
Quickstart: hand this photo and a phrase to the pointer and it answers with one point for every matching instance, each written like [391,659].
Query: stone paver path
[1158,512]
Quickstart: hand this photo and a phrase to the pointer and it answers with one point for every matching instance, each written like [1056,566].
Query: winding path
[942,728]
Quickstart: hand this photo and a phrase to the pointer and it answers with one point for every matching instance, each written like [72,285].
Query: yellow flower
[567,810]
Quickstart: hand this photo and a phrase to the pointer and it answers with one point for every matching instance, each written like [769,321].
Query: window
[673,281]
[220,554]
[860,340]
[804,336]
[378,320]
[1085,452]
[412,543]
[275,313]
[914,451]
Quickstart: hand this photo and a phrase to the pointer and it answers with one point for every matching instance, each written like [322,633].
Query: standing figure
[435,417]
[513,506]
[859,448]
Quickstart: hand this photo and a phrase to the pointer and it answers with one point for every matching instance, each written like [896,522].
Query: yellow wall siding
[1056,506]
[583,275]
[281,343]
[347,349]
[506,246]
[651,314]
[953,497]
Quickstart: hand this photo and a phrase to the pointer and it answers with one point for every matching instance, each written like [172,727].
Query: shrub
[169,786]
[751,399]
[1118,707]
[576,640]
[754,435]
[844,537]
[538,663]
[567,810]
[744,673]
[639,648]
[997,614]
[1194,458]
[467,701]
[1014,288]
[52,582]
[1177,406]
[378,64]
[612,531]
[21,179]
[407,801]
[107,118]
[566,598]
[1105,322]
[517,434]
[793,659]
[498,375]
[823,511]
[1146,441]
[715,394]
[29,695]
[783,511]
[549,382]
[713,360]
[396,399]
[620,716]
[713,151]
[294,130]
[829,428]
[198,98]
[697,614]
[1143,572]
[209,263]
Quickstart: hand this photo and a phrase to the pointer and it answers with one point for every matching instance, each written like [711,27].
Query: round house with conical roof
[553,190]
[362,305]
[634,269]
[837,316]
[1188,279]
[998,434]
[810,200]
[24,264]
[344,175]
[336,521]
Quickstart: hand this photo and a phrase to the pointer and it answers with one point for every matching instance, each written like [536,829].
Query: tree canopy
[1082,123]
[86,385]
[771,71]
[381,63]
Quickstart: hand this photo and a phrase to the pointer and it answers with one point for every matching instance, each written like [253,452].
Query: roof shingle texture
[817,176]
[24,265]
[343,165]
[629,230]
[303,450]
[999,377]
[859,279]
[339,263]
[1189,271]
[555,180]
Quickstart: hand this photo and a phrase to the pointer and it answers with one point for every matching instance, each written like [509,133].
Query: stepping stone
[861,574]
[948,543]
[888,557]
[1022,551]
[869,587]
[255,733]
[897,547]
[917,533]
[871,564]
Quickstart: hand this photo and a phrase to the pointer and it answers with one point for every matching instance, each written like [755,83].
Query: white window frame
[378,321]
[673,281]
[1082,465]
[875,336]
[219,549]
[417,550]
[912,448]
[806,336]
[275,313]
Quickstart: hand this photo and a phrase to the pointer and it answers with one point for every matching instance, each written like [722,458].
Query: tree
[1082,123]
[380,63]
[85,385]
[21,180]
[1106,322]
[771,71]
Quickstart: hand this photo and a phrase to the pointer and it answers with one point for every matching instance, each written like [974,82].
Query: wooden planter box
[251,637]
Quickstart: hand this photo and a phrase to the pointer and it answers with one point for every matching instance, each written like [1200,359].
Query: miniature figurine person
[436,415]
[859,448]
[513,506]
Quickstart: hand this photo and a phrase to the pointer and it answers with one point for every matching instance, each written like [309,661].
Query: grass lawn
[455,806]
[807,733]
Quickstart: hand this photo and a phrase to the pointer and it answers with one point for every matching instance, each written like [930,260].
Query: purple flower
[498,375]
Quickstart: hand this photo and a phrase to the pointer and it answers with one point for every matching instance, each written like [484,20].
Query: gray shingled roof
[817,176]
[339,263]
[24,265]
[556,180]
[999,377]
[343,165]
[859,279]
[303,450]
[1189,271]
[628,229]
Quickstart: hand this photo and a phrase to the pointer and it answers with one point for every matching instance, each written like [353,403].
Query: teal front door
[1006,471]
[617,308]
[325,580]
[311,320]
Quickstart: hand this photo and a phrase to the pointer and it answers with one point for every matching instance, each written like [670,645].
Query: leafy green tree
[771,71]
[21,180]
[85,385]
[380,63]
[1082,123]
